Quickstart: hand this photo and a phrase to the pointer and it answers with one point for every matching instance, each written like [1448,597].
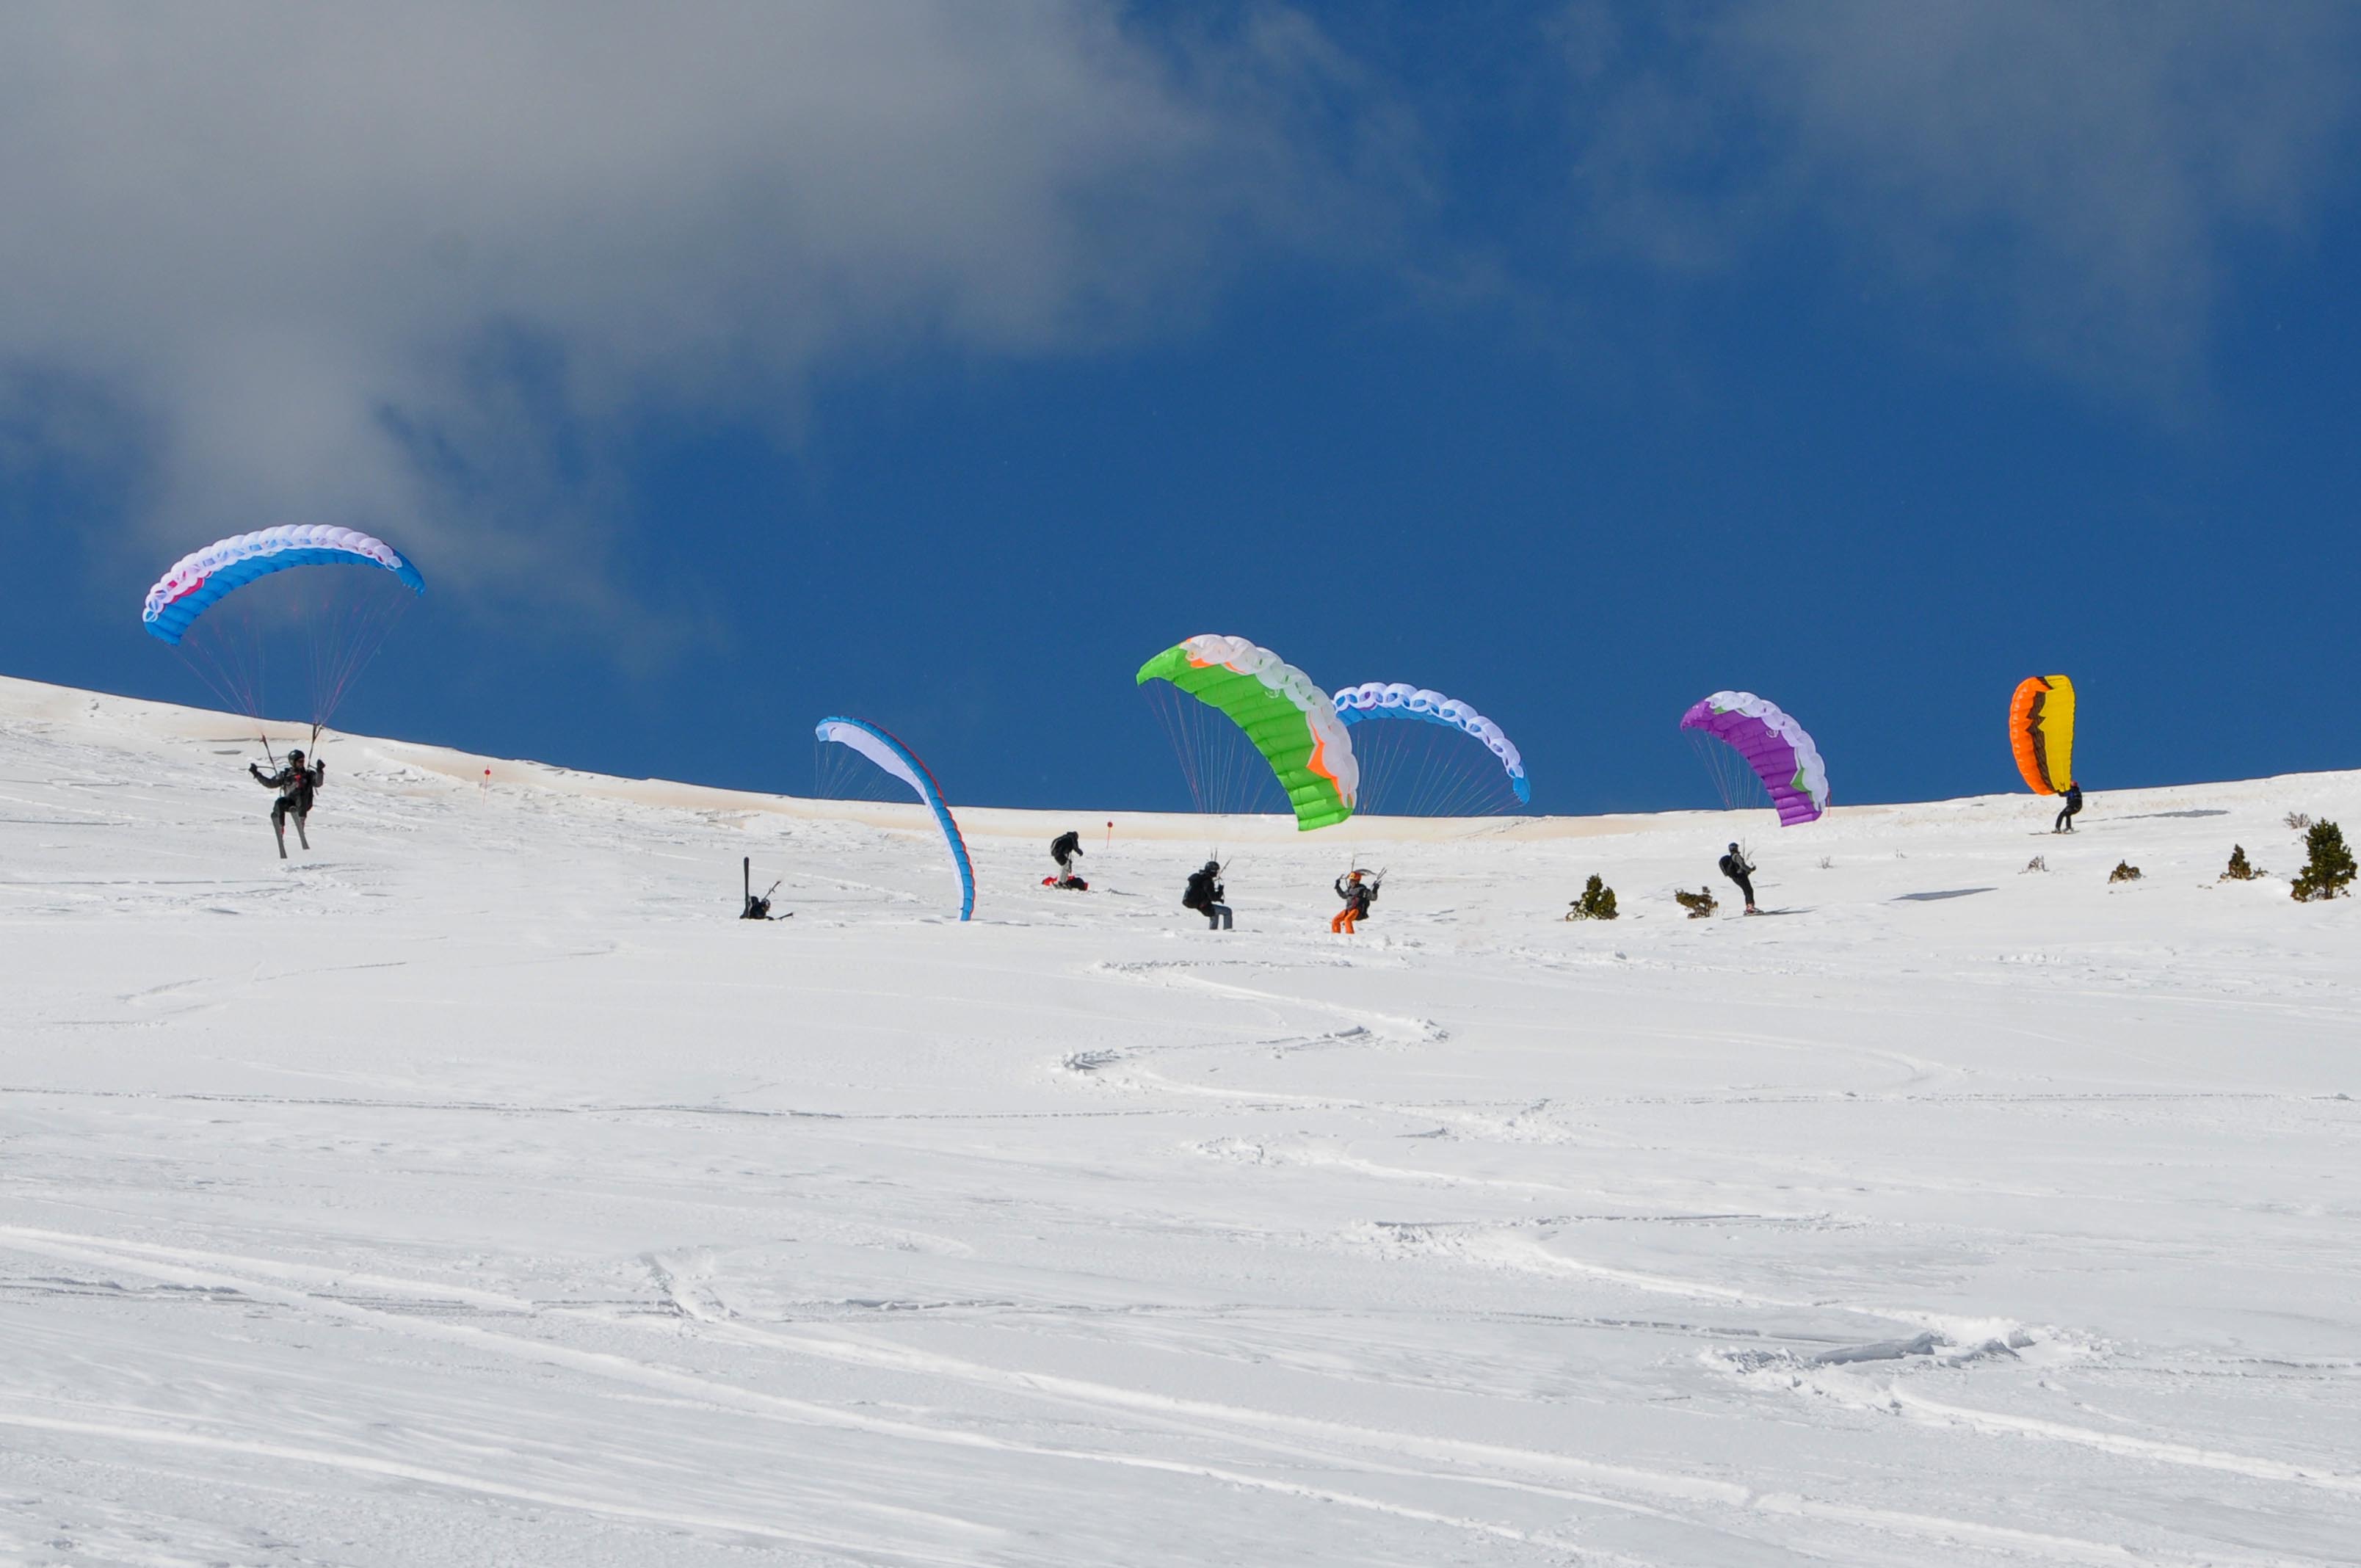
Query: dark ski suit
[1204,896]
[294,785]
[1063,850]
[1741,873]
[2073,804]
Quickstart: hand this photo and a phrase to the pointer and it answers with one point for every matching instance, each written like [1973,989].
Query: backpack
[1730,867]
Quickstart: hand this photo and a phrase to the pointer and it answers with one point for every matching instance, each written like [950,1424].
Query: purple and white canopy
[1774,745]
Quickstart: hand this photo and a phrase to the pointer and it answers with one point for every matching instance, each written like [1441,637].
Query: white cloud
[2085,170]
[399,265]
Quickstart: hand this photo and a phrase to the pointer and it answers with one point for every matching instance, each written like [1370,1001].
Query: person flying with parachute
[295,783]
[209,609]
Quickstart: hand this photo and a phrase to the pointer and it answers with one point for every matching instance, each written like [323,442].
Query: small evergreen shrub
[2125,871]
[2330,868]
[2038,863]
[1699,903]
[1596,903]
[2300,820]
[2240,868]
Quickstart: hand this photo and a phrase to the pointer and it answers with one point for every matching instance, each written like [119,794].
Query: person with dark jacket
[1063,850]
[1357,895]
[294,782]
[2073,805]
[1204,895]
[1734,867]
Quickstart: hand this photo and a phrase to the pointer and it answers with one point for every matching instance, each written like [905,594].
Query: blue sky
[939,363]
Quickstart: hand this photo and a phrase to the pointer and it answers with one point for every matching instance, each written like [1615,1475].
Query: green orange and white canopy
[1289,719]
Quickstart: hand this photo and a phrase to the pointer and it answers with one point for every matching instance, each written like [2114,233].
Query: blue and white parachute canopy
[897,759]
[1377,699]
[199,580]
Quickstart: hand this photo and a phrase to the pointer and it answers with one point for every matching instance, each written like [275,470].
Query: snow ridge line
[196,1272]
[401,1470]
[1410,1031]
[1847,1389]
[2119,1443]
[1498,1247]
[1461,1451]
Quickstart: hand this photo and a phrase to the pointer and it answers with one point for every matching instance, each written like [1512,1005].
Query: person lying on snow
[294,783]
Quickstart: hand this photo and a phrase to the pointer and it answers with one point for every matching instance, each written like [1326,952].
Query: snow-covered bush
[2300,820]
[2038,863]
[2125,871]
[1596,903]
[2240,868]
[1699,903]
[2329,870]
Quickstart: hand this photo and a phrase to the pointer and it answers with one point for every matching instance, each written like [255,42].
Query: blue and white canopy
[1377,699]
[899,761]
[201,578]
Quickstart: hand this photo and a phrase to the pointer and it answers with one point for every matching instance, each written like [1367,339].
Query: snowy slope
[475,1190]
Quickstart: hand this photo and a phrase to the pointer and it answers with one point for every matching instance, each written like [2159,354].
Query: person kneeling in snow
[1203,895]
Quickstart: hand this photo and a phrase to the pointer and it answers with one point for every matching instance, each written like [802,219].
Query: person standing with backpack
[1734,867]
[1063,850]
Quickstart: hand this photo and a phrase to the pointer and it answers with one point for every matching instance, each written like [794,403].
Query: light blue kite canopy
[200,580]
[898,760]
[1377,699]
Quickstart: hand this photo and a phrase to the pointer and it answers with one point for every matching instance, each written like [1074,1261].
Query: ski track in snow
[476,1189]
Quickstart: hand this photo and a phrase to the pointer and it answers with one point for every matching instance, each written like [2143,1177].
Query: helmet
[1355,877]
[1733,847]
[1212,865]
[295,753]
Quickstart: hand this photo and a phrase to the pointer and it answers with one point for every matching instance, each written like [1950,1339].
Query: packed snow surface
[475,1189]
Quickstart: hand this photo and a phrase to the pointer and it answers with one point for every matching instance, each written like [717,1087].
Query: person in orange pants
[1357,895]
